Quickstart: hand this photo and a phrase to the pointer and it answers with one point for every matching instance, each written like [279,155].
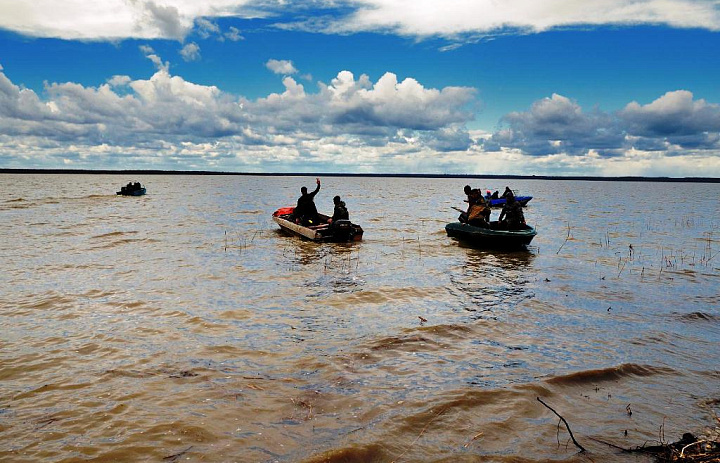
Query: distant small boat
[132,190]
[492,237]
[500,202]
[342,231]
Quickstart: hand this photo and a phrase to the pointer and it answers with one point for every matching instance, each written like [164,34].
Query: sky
[501,87]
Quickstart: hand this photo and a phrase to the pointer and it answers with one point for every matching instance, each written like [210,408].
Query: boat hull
[500,202]
[139,192]
[343,233]
[489,237]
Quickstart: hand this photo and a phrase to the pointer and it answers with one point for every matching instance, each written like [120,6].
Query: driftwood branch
[682,452]
[582,449]
[623,449]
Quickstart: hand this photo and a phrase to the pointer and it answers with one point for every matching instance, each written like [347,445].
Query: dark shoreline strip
[345,174]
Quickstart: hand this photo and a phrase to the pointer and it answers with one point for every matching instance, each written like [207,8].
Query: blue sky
[619,87]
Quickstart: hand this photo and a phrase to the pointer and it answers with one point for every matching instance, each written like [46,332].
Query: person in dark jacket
[305,211]
[340,212]
[512,217]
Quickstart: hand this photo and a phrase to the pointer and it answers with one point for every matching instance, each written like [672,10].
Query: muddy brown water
[183,326]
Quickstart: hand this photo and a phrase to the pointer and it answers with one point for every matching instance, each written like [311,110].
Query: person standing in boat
[512,217]
[340,212]
[478,213]
[305,211]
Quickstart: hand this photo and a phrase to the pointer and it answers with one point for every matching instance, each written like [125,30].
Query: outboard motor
[342,230]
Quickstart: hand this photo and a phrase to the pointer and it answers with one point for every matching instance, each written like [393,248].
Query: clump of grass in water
[241,241]
[345,261]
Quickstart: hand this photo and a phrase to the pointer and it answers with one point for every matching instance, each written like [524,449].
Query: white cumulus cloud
[152,56]
[233,34]
[144,118]
[175,19]
[281,66]
[675,113]
[452,17]
[190,52]
[674,124]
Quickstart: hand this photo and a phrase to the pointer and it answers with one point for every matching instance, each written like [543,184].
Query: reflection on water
[185,325]
[490,281]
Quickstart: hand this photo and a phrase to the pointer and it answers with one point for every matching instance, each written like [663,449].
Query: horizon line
[346,174]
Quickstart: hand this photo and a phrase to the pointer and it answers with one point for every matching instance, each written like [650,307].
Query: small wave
[113,234]
[384,295]
[47,301]
[448,331]
[413,343]
[126,241]
[697,316]
[234,352]
[609,374]
[236,314]
[19,203]
[352,454]
[51,387]
[252,212]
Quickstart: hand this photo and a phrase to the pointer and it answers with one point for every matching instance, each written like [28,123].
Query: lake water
[184,326]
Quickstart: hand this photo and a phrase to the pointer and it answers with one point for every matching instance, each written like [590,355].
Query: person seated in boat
[473,195]
[340,212]
[305,212]
[137,186]
[495,195]
[512,217]
[478,214]
[507,192]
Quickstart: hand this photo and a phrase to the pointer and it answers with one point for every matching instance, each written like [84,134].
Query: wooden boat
[340,232]
[492,237]
[500,202]
[124,192]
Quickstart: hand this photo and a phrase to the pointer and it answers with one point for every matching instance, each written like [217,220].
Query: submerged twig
[177,456]
[420,435]
[582,449]
[566,239]
[473,439]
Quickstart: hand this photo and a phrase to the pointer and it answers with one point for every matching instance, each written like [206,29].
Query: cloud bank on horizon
[351,123]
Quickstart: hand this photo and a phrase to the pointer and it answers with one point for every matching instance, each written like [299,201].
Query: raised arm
[312,195]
